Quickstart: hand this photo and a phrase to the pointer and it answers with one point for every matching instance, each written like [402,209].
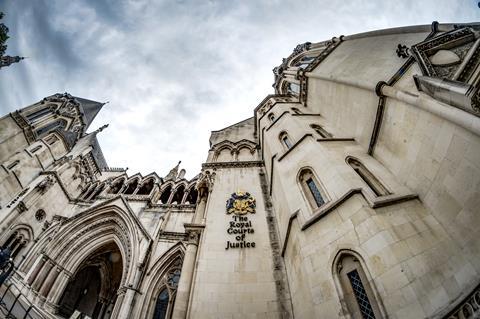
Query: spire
[101,128]
[90,109]
[173,172]
[8,60]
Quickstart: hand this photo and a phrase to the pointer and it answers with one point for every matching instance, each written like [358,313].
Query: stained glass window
[162,305]
[315,192]
[361,295]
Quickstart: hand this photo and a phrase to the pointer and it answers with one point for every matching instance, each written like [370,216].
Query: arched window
[36,148]
[357,292]
[32,117]
[166,194]
[370,179]
[131,187]
[311,188]
[117,186]
[13,164]
[97,192]
[192,196]
[161,305]
[293,88]
[286,142]
[305,61]
[321,131]
[296,111]
[18,239]
[58,124]
[146,187]
[89,192]
[271,117]
[177,198]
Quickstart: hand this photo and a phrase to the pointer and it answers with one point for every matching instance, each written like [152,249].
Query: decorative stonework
[459,42]
[241,203]
[40,215]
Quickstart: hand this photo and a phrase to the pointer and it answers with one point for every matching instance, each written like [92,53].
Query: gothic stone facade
[352,192]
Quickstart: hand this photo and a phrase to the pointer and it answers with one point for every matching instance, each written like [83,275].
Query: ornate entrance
[92,291]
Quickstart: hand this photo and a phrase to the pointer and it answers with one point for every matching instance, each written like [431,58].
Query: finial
[101,128]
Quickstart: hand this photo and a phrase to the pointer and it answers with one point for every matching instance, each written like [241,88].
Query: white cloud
[175,71]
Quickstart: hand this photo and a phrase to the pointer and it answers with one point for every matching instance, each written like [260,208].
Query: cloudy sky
[175,70]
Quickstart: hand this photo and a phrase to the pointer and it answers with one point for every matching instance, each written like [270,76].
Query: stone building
[352,192]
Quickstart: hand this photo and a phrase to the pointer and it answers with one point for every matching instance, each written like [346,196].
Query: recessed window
[321,131]
[287,143]
[369,179]
[311,188]
[296,111]
[357,292]
[293,88]
[271,117]
[12,165]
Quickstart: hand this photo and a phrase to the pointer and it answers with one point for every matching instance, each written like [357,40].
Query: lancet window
[321,131]
[356,289]
[32,117]
[286,142]
[177,198]
[166,297]
[166,195]
[146,187]
[58,124]
[311,188]
[131,187]
[117,186]
[17,240]
[370,179]
[192,196]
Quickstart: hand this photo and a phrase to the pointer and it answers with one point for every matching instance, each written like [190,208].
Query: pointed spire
[90,109]
[173,172]
[8,60]
[101,128]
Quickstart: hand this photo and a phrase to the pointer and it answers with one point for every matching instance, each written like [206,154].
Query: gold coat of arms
[241,203]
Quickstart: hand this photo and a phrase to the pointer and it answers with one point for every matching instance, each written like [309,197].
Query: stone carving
[40,215]
[45,184]
[241,203]
[460,42]
[402,51]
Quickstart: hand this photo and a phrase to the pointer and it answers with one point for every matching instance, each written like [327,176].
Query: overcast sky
[175,70]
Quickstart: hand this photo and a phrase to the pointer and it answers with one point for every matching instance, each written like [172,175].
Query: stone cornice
[232,164]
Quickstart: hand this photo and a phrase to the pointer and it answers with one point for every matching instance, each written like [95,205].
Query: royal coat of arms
[241,203]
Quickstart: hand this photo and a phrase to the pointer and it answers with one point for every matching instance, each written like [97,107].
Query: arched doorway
[92,290]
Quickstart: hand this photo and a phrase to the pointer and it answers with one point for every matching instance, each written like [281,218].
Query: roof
[90,109]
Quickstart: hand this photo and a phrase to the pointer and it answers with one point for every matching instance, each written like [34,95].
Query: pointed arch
[192,196]
[321,131]
[165,193]
[311,188]
[373,183]
[178,195]
[131,186]
[355,286]
[146,186]
[80,236]
[117,185]
[169,263]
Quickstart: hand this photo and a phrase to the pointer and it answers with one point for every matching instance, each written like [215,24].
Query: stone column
[35,269]
[183,290]
[42,276]
[126,304]
[57,290]
[200,210]
[50,279]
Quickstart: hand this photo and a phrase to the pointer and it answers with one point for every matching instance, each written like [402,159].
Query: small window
[296,111]
[293,88]
[370,179]
[271,117]
[161,305]
[311,188]
[58,124]
[315,192]
[357,292]
[285,140]
[12,165]
[321,131]
[51,139]
[36,148]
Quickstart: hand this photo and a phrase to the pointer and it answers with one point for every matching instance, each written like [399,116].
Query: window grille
[361,295]
[315,192]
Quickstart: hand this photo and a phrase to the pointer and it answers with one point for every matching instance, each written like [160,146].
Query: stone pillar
[183,290]
[48,283]
[42,275]
[57,289]
[200,210]
[124,307]
[35,269]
